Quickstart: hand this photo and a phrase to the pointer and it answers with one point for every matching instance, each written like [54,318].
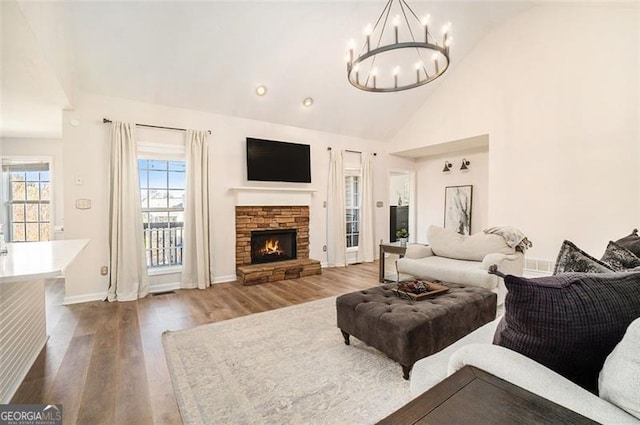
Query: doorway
[401,204]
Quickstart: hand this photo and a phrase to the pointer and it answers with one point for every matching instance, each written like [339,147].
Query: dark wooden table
[473,396]
[392,248]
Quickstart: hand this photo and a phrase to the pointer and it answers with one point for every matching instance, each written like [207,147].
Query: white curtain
[366,242]
[336,220]
[196,267]
[128,279]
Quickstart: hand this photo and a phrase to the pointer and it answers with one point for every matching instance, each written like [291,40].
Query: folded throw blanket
[514,237]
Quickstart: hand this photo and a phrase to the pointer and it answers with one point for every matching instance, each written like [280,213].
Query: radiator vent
[539,265]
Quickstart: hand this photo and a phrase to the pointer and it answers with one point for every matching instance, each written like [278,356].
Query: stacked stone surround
[249,218]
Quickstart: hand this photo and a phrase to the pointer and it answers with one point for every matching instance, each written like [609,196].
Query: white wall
[432,182]
[86,154]
[556,89]
[49,148]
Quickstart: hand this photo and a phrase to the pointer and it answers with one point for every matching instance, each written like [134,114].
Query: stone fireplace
[258,259]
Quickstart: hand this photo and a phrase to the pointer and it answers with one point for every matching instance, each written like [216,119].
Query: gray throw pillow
[570,322]
[573,259]
[631,242]
[619,258]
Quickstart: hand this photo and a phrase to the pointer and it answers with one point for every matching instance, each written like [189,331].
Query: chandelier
[399,58]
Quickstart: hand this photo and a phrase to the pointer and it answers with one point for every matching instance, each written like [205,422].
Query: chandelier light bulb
[426,20]
[368,29]
[347,58]
[434,57]
[419,65]
[356,68]
[374,72]
[448,41]
[351,44]
[396,70]
[396,21]
[446,28]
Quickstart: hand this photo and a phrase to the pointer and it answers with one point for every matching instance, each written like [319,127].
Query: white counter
[23,326]
[38,260]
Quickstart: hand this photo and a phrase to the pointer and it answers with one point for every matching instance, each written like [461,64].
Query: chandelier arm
[413,38]
[384,25]
[420,59]
[410,10]
[388,5]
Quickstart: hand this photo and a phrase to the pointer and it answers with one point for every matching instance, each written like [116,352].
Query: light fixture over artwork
[465,164]
[399,52]
[447,167]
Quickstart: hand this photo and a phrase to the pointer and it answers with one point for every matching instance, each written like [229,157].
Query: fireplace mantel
[251,196]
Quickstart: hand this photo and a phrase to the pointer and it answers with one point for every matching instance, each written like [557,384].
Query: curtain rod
[106,120]
[347,150]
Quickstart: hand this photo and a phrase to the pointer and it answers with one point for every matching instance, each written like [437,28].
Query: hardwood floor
[105,364]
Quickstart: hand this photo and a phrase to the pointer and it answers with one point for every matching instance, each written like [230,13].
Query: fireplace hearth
[268,246]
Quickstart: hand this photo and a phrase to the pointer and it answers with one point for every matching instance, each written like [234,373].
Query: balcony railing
[163,244]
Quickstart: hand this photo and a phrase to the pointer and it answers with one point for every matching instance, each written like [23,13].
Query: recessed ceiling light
[261,90]
[307,102]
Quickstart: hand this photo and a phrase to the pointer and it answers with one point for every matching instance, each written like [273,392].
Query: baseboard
[164,287]
[85,298]
[225,278]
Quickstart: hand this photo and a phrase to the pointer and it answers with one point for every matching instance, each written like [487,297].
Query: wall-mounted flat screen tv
[268,160]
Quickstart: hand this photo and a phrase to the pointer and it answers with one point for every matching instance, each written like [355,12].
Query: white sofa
[451,257]
[476,350]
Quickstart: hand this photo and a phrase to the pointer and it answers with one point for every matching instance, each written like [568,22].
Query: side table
[473,396]
[391,248]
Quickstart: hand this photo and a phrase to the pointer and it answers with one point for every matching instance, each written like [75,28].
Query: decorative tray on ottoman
[419,289]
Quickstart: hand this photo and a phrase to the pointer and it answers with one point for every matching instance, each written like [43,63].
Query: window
[162,194]
[29,202]
[352,202]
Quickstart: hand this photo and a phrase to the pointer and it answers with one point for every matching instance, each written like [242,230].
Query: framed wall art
[457,208]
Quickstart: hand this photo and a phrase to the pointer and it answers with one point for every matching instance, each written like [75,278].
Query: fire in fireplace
[273,245]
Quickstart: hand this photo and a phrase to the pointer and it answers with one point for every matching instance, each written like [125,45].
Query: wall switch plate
[324,248]
[83,204]
[379,204]
[104,270]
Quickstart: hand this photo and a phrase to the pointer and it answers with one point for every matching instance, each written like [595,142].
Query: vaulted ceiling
[210,56]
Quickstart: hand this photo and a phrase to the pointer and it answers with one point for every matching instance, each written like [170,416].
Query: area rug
[282,366]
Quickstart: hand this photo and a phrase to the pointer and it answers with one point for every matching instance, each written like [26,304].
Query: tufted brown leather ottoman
[407,330]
